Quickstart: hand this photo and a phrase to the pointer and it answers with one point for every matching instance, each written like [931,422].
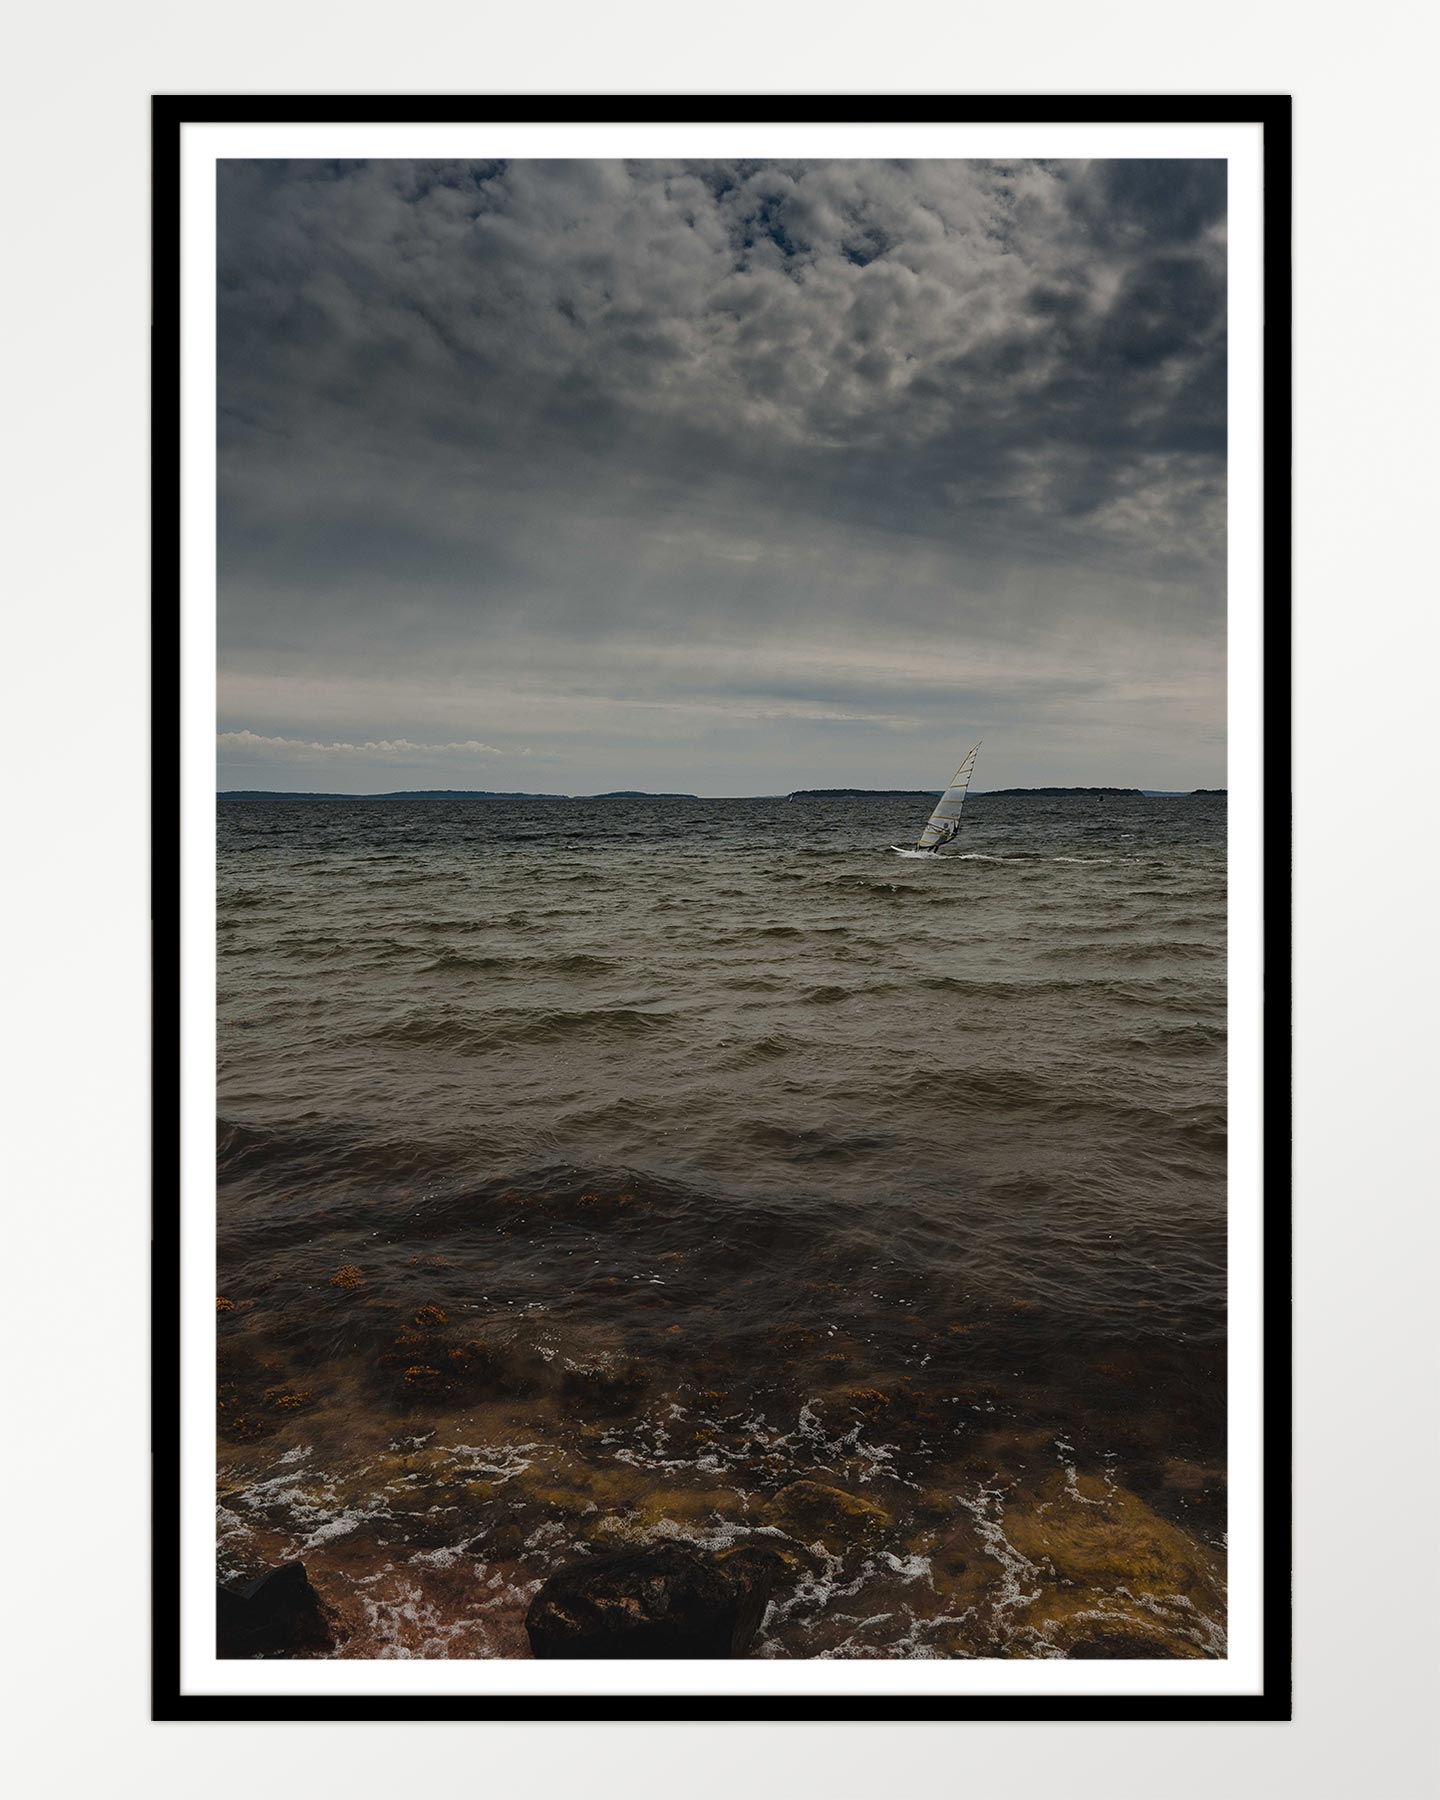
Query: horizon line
[677,794]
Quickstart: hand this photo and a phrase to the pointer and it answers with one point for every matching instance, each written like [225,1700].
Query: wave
[812,1144]
[768,1048]
[1043,1095]
[1156,950]
[1127,991]
[322,1157]
[495,1029]
[573,963]
[1195,1038]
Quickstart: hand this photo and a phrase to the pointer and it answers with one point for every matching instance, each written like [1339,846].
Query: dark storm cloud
[644,468]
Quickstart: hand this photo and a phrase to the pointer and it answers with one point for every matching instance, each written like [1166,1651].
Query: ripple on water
[578,1192]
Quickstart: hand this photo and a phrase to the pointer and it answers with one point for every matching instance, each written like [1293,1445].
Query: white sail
[945,820]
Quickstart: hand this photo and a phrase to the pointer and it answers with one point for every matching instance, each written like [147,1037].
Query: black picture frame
[1272,114]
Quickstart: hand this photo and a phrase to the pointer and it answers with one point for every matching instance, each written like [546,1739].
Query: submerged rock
[1098,1536]
[1122,1645]
[810,1509]
[1113,1578]
[670,1600]
[1188,1493]
[604,1388]
[277,1614]
[1088,1625]
[427,1368]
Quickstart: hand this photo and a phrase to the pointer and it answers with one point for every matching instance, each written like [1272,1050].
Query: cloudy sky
[721,477]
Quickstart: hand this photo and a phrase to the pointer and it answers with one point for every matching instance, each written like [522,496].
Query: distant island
[443,794]
[1045,793]
[864,794]
[1062,793]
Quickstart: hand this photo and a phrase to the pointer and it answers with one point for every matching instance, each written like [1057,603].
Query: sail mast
[944,822]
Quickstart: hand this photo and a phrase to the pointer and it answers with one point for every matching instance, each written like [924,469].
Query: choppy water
[593,1170]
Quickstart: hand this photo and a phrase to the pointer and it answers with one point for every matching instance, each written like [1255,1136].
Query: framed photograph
[726,1155]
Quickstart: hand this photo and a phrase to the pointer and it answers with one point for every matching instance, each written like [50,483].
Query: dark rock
[277,1614]
[604,1388]
[810,1510]
[481,1370]
[426,1368]
[669,1600]
[1114,1646]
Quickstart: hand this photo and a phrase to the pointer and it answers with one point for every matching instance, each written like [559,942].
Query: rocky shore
[410,1466]
[1085,1571]
[592,1523]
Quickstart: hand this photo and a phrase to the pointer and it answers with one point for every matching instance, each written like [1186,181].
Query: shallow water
[592,1171]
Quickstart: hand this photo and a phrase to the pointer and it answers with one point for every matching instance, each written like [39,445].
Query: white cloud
[250,741]
[738,476]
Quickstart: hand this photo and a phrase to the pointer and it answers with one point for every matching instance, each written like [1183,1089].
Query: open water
[596,1171]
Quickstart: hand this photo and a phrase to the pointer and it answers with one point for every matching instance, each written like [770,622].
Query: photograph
[719,1068]
[722,909]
